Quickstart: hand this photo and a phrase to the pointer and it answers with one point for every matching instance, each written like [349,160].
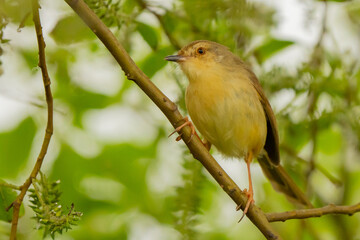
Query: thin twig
[255,214]
[313,97]
[37,192]
[49,126]
[323,28]
[9,185]
[321,169]
[314,212]
[315,59]
[313,134]
[28,100]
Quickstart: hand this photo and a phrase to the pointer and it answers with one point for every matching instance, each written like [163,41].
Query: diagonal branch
[171,112]
[314,212]
[49,127]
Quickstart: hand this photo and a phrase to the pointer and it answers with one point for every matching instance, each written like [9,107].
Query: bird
[228,106]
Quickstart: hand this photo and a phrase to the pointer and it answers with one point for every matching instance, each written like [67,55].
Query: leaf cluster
[188,199]
[114,13]
[49,213]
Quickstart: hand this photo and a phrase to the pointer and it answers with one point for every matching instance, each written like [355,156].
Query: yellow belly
[228,114]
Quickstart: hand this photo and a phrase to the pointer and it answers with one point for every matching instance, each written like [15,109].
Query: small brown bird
[229,108]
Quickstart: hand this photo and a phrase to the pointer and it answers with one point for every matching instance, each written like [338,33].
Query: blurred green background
[110,149]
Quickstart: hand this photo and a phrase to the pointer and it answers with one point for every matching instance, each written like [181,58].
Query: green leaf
[329,141]
[353,10]
[334,0]
[71,30]
[124,163]
[155,61]
[271,47]
[297,135]
[149,34]
[15,147]
[17,11]
[170,22]
[31,59]
[7,196]
[128,6]
[82,100]
[188,198]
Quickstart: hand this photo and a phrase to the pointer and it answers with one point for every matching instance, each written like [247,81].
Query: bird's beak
[175,58]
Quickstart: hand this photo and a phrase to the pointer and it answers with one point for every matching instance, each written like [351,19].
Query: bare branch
[49,127]
[314,212]
[171,112]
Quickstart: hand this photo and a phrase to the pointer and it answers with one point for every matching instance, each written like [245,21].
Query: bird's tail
[282,182]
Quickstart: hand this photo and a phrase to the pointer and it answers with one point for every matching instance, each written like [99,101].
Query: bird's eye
[200,50]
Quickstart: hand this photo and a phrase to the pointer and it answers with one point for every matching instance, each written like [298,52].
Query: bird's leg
[186,123]
[249,193]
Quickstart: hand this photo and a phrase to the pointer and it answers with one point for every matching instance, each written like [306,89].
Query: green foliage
[16,11]
[123,184]
[269,48]
[335,0]
[50,215]
[107,11]
[7,196]
[188,199]
[3,22]
[78,32]
[113,13]
[154,61]
[149,34]
[330,141]
[228,22]
[353,9]
[14,153]
[31,59]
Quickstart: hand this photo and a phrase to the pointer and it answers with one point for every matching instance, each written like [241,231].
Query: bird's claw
[186,123]
[250,196]
[178,138]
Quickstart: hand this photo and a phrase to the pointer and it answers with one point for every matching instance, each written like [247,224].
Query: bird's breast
[228,113]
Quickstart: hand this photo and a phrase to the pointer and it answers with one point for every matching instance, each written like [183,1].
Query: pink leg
[249,193]
[186,123]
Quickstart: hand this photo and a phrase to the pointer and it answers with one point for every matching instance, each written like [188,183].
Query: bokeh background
[110,149]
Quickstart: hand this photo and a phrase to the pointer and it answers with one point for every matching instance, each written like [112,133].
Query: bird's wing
[270,161]
[272,138]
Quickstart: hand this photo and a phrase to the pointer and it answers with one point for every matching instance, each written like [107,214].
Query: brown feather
[270,160]
[272,138]
[282,182]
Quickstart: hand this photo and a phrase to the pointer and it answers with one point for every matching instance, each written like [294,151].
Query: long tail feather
[282,182]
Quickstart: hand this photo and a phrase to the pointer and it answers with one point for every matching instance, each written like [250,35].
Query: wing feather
[272,138]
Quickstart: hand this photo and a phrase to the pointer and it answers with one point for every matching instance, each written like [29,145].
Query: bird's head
[201,56]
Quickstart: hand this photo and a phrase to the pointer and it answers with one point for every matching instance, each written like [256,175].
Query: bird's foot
[250,196]
[186,123]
